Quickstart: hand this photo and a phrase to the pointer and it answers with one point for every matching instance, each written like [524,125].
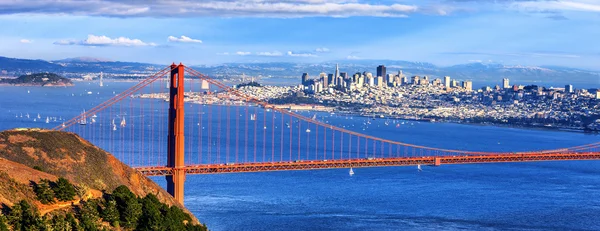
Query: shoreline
[433,120]
[333,109]
[35,85]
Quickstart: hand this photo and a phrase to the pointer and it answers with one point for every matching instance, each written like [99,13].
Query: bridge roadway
[368,162]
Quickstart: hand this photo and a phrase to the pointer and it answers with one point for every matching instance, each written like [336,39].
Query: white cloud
[243,53]
[183,39]
[224,53]
[25,41]
[293,54]
[102,40]
[559,5]
[352,57]
[219,8]
[274,53]
[322,49]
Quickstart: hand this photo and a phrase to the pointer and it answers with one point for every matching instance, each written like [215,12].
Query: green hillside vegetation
[39,79]
[120,210]
[248,84]
[52,180]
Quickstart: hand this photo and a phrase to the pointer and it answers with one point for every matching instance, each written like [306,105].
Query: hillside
[478,72]
[66,155]
[39,79]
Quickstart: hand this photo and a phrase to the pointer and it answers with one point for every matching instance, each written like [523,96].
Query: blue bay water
[510,196]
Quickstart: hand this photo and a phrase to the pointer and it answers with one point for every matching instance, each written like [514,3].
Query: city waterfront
[524,196]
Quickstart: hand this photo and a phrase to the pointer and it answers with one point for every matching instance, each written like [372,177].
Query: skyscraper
[447,81]
[416,80]
[380,82]
[330,79]
[381,71]
[505,83]
[569,88]
[468,85]
[337,70]
[344,75]
[304,78]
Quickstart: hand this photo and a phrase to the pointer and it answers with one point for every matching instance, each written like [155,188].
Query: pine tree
[73,222]
[174,218]
[43,192]
[128,205]
[3,224]
[151,218]
[110,213]
[64,190]
[89,216]
[14,216]
[24,217]
[60,223]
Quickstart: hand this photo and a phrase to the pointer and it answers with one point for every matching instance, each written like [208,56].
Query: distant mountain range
[478,72]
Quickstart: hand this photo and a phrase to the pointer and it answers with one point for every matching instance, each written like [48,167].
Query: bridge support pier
[175,145]
[437,161]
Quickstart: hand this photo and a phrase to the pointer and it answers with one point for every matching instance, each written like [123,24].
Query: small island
[38,79]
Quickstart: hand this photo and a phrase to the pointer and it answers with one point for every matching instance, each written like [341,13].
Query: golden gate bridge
[229,131]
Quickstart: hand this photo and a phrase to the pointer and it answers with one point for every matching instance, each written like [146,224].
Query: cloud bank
[217,8]
[102,40]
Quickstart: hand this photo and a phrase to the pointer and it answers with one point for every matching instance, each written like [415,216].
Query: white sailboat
[83,120]
[27,115]
[351,172]
[253,117]
[47,119]
[123,123]
[419,168]
[307,130]
[114,126]
[39,117]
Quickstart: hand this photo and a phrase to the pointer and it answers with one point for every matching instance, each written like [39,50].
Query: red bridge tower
[175,146]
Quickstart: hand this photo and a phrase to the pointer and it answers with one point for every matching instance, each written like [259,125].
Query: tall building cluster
[345,82]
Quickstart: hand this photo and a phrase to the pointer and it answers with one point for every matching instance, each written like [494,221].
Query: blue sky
[443,32]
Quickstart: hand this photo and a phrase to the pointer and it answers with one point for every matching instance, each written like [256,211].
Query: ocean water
[508,196]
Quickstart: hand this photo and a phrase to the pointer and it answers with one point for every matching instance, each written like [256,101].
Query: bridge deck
[370,162]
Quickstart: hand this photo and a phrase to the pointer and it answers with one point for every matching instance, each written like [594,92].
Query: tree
[14,216]
[73,222]
[110,213]
[3,225]
[174,218]
[151,218]
[128,205]
[89,216]
[43,191]
[64,190]
[60,223]
[24,217]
